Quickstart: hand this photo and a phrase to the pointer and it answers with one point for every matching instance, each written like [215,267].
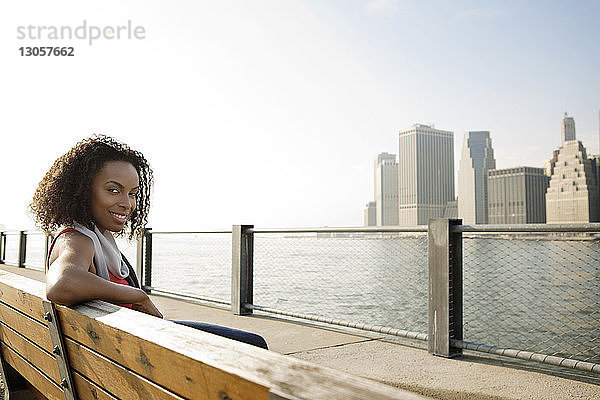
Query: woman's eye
[134,194]
[113,190]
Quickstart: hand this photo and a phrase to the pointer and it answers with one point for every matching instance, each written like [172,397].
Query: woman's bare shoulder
[73,244]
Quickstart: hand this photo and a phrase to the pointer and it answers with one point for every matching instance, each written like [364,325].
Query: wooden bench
[116,353]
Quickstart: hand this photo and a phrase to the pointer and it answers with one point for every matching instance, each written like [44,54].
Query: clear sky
[272,112]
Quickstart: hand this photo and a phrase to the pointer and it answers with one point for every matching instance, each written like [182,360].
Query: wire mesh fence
[533,294]
[364,278]
[537,293]
[193,264]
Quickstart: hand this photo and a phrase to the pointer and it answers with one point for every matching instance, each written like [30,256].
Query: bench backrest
[115,352]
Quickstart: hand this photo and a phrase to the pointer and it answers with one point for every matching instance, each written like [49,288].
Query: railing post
[242,268]
[48,242]
[2,245]
[445,287]
[22,248]
[148,260]
[139,257]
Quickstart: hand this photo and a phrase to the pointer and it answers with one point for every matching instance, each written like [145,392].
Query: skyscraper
[425,174]
[567,128]
[477,157]
[517,195]
[370,214]
[573,192]
[386,189]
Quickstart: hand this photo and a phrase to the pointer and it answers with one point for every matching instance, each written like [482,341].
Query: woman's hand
[145,305]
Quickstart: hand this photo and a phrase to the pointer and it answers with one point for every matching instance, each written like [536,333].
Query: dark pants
[230,333]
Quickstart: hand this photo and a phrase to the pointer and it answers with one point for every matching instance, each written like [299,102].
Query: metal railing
[520,291]
[23,252]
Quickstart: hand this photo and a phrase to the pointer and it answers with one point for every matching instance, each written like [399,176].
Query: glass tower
[425,174]
[477,158]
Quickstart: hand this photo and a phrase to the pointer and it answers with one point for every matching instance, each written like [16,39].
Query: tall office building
[595,158]
[370,215]
[425,174]
[573,192]
[567,129]
[477,157]
[386,189]
[516,195]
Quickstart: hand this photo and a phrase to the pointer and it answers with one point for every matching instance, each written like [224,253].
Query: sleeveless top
[131,280]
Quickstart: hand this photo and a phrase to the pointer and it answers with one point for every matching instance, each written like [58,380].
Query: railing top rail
[483,228]
[363,229]
[34,232]
[527,228]
[184,232]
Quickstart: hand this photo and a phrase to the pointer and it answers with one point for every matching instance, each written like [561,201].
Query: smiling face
[113,195]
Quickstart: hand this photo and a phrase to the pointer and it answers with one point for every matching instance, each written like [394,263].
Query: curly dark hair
[63,195]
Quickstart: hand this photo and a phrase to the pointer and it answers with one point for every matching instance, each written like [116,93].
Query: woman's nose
[126,202]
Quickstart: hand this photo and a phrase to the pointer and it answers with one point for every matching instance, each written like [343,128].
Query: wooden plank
[34,330]
[181,374]
[36,393]
[87,390]
[50,389]
[199,365]
[23,294]
[111,376]
[32,353]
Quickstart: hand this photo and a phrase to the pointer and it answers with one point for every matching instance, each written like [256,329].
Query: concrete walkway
[399,363]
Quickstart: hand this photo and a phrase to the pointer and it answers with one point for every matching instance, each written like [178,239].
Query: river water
[536,295]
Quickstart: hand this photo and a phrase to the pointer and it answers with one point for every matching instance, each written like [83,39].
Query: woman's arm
[69,281]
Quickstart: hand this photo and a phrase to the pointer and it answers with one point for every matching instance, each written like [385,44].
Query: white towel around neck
[107,256]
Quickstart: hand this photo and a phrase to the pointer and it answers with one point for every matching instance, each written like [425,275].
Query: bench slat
[34,330]
[87,390]
[32,353]
[148,341]
[23,294]
[113,377]
[183,375]
[39,335]
[50,389]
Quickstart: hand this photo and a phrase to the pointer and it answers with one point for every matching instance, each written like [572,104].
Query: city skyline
[271,113]
[564,190]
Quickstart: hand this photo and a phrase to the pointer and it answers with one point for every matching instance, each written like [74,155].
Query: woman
[98,187]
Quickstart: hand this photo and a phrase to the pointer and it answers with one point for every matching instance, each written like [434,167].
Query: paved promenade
[396,362]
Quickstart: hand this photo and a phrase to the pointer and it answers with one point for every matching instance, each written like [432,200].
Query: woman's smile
[121,218]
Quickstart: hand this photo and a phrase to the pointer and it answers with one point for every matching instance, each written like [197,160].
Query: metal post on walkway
[22,248]
[147,259]
[445,287]
[2,245]
[139,257]
[47,243]
[242,268]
